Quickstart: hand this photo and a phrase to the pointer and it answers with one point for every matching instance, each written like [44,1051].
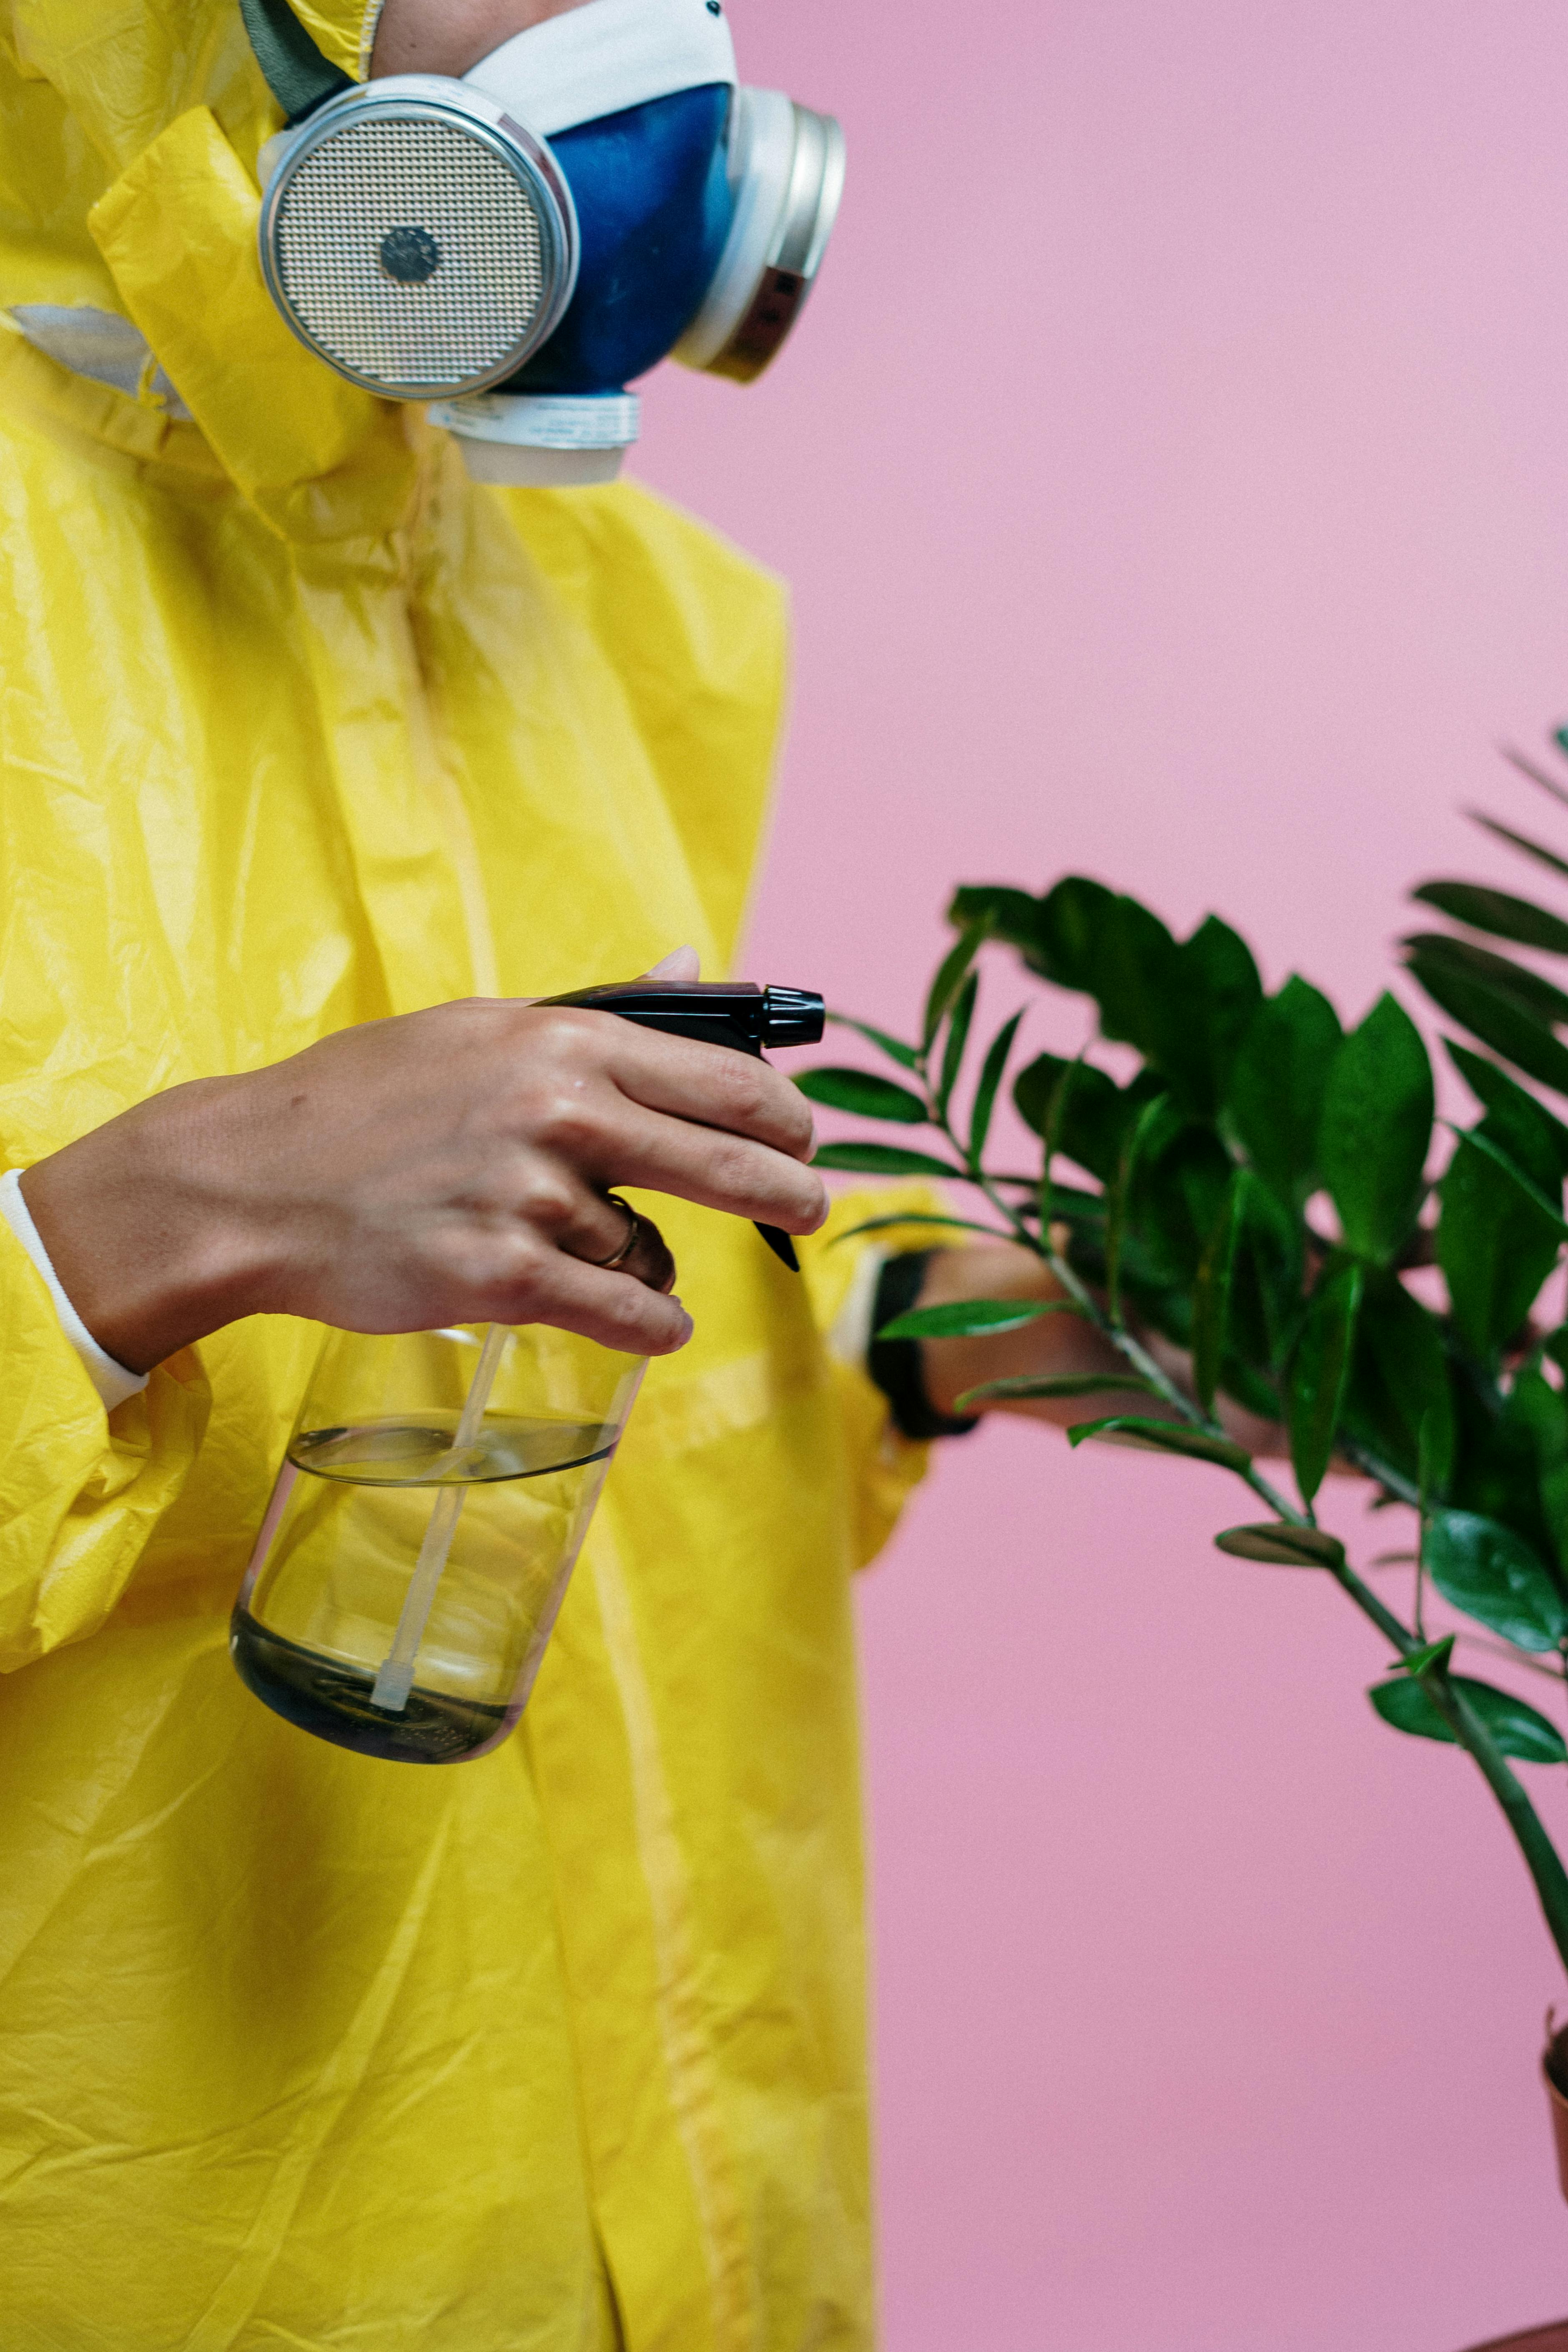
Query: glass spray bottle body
[437,1488]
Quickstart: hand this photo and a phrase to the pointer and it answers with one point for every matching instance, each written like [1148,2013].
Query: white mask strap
[603,57]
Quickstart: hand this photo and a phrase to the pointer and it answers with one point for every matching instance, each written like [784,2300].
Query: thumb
[683,965]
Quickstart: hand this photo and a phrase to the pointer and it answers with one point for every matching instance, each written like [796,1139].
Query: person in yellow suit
[301,728]
[321,760]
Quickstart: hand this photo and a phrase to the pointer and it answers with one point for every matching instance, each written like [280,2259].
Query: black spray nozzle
[793,1016]
[736,1013]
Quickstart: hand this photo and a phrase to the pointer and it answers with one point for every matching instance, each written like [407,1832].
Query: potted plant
[1254,1183]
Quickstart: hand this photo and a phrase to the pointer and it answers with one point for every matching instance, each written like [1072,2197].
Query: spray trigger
[735,1013]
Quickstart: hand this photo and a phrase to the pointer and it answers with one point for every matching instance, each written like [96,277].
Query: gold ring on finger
[634,1234]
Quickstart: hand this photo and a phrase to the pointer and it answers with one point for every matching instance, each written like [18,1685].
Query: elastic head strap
[299,77]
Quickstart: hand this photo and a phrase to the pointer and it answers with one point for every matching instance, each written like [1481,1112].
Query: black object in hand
[737,1014]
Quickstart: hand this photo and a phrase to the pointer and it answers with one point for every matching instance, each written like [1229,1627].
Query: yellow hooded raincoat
[297,728]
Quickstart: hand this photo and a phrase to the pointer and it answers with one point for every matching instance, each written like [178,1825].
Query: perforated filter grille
[478,304]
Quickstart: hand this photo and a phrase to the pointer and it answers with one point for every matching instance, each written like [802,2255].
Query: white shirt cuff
[111,1379]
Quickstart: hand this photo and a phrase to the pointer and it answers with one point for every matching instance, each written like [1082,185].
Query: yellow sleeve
[886,1466]
[80,1492]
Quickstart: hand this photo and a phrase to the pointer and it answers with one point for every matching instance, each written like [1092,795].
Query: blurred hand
[1055,1345]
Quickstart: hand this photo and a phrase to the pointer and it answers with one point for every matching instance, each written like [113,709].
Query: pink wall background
[1173,482]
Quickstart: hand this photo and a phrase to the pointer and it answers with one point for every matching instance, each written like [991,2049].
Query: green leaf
[1056,933]
[1507,1008]
[1463,960]
[894,1047]
[1117,1201]
[1522,841]
[1091,1112]
[1518,1730]
[991,1071]
[1169,1436]
[882,1160]
[1266,1292]
[1211,1298]
[1056,1115]
[1217,996]
[966,1318]
[1376,1129]
[1185,1008]
[1275,1098]
[1129,968]
[959,1019]
[1484,1569]
[1535,1405]
[1280,1545]
[1133,975]
[859,1091]
[1524,1126]
[1048,1384]
[917,1217]
[1498,913]
[1496,1463]
[1179,1183]
[1071,917]
[1009,916]
[1399,1382]
[1319,1373]
[950,975]
[1254,1390]
[1422,1661]
[1495,1244]
[1484,1139]
[1538,775]
[1075,1205]
[1434,1456]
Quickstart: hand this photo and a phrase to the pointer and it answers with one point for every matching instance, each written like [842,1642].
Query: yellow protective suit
[299,728]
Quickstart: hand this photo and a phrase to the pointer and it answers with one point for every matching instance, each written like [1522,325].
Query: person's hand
[446,1167]
[1054,1346]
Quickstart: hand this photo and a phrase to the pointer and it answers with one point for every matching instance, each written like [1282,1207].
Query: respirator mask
[517,247]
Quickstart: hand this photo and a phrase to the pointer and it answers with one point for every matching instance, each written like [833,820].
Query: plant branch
[1541,1857]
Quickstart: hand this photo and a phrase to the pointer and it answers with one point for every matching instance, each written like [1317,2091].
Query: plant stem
[1541,1857]
[1122,1339]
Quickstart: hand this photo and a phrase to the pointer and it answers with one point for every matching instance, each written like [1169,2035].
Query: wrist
[899,1367]
[144,1228]
[1000,1269]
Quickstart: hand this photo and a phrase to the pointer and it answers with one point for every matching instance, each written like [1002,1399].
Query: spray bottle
[437,1486]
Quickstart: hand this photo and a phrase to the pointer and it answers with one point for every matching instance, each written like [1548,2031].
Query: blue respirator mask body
[518,247]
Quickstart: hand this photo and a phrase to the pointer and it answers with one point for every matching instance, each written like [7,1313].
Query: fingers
[639,1249]
[649,1260]
[600,1228]
[711,1086]
[618,1310]
[713,1169]
[626,1106]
